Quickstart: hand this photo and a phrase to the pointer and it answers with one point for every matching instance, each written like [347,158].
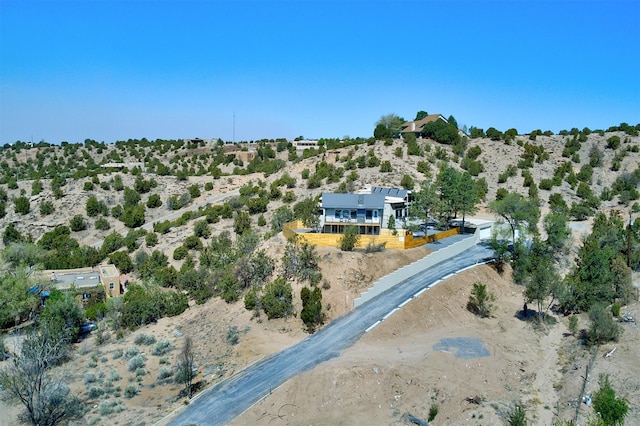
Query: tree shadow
[531,315]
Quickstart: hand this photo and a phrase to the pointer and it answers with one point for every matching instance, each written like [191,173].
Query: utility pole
[629,241]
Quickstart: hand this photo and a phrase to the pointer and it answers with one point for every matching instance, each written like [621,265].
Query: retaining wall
[398,242]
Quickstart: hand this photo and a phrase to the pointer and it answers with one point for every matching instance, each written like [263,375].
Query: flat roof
[109,270]
[80,280]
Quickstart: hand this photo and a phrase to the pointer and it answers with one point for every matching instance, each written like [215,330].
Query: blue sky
[114,70]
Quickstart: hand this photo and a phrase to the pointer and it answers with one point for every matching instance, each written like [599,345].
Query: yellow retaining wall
[402,241]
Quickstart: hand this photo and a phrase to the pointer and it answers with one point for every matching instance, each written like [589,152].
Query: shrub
[517,416]
[194,191]
[89,377]
[180,253]
[144,339]
[22,205]
[163,347]
[102,224]
[136,362]
[78,223]
[130,352]
[573,324]
[372,247]
[277,300]
[433,412]
[615,310]
[612,410]
[46,208]
[164,373]
[233,337]
[603,327]
[154,201]
[108,407]
[95,392]
[131,391]
[350,238]
[311,313]
[151,239]
[480,300]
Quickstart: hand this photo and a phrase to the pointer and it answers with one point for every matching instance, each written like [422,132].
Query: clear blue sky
[114,70]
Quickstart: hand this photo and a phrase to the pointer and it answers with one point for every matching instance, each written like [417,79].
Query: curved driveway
[231,397]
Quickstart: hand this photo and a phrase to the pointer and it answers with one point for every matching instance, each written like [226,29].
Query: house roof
[390,192]
[416,126]
[362,201]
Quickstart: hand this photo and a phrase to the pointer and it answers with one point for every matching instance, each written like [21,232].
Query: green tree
[22,205]
[77,223]
[407,182]
[46,208]
[36,187]
[612,410]
[350,238]
[392,122]
[17,301]
[154,201]
[194,191]
[520,213]
[11,235]
[95,207]
[122,261]
[281,215]
[556,225]
[201,229]
[242,223]
[381,132]
[102,224]
[604,327]
[425,201]
[420,115]
[467,196]
[480,300]
[308,212]
[133,216]
[46,398]
[277,299]
[62,316]
[311,313]
[540,275]
[131,197]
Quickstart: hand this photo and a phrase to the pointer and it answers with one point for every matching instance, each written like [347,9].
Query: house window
[354,214]
[368,214]
[375,214]
[111,286]
[338,214]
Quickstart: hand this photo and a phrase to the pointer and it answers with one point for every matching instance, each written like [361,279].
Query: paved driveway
[231,397]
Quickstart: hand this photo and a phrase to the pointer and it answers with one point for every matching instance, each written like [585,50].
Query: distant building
[304,144]
[417,126]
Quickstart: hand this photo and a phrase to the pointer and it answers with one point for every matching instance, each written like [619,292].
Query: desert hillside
[188,197]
